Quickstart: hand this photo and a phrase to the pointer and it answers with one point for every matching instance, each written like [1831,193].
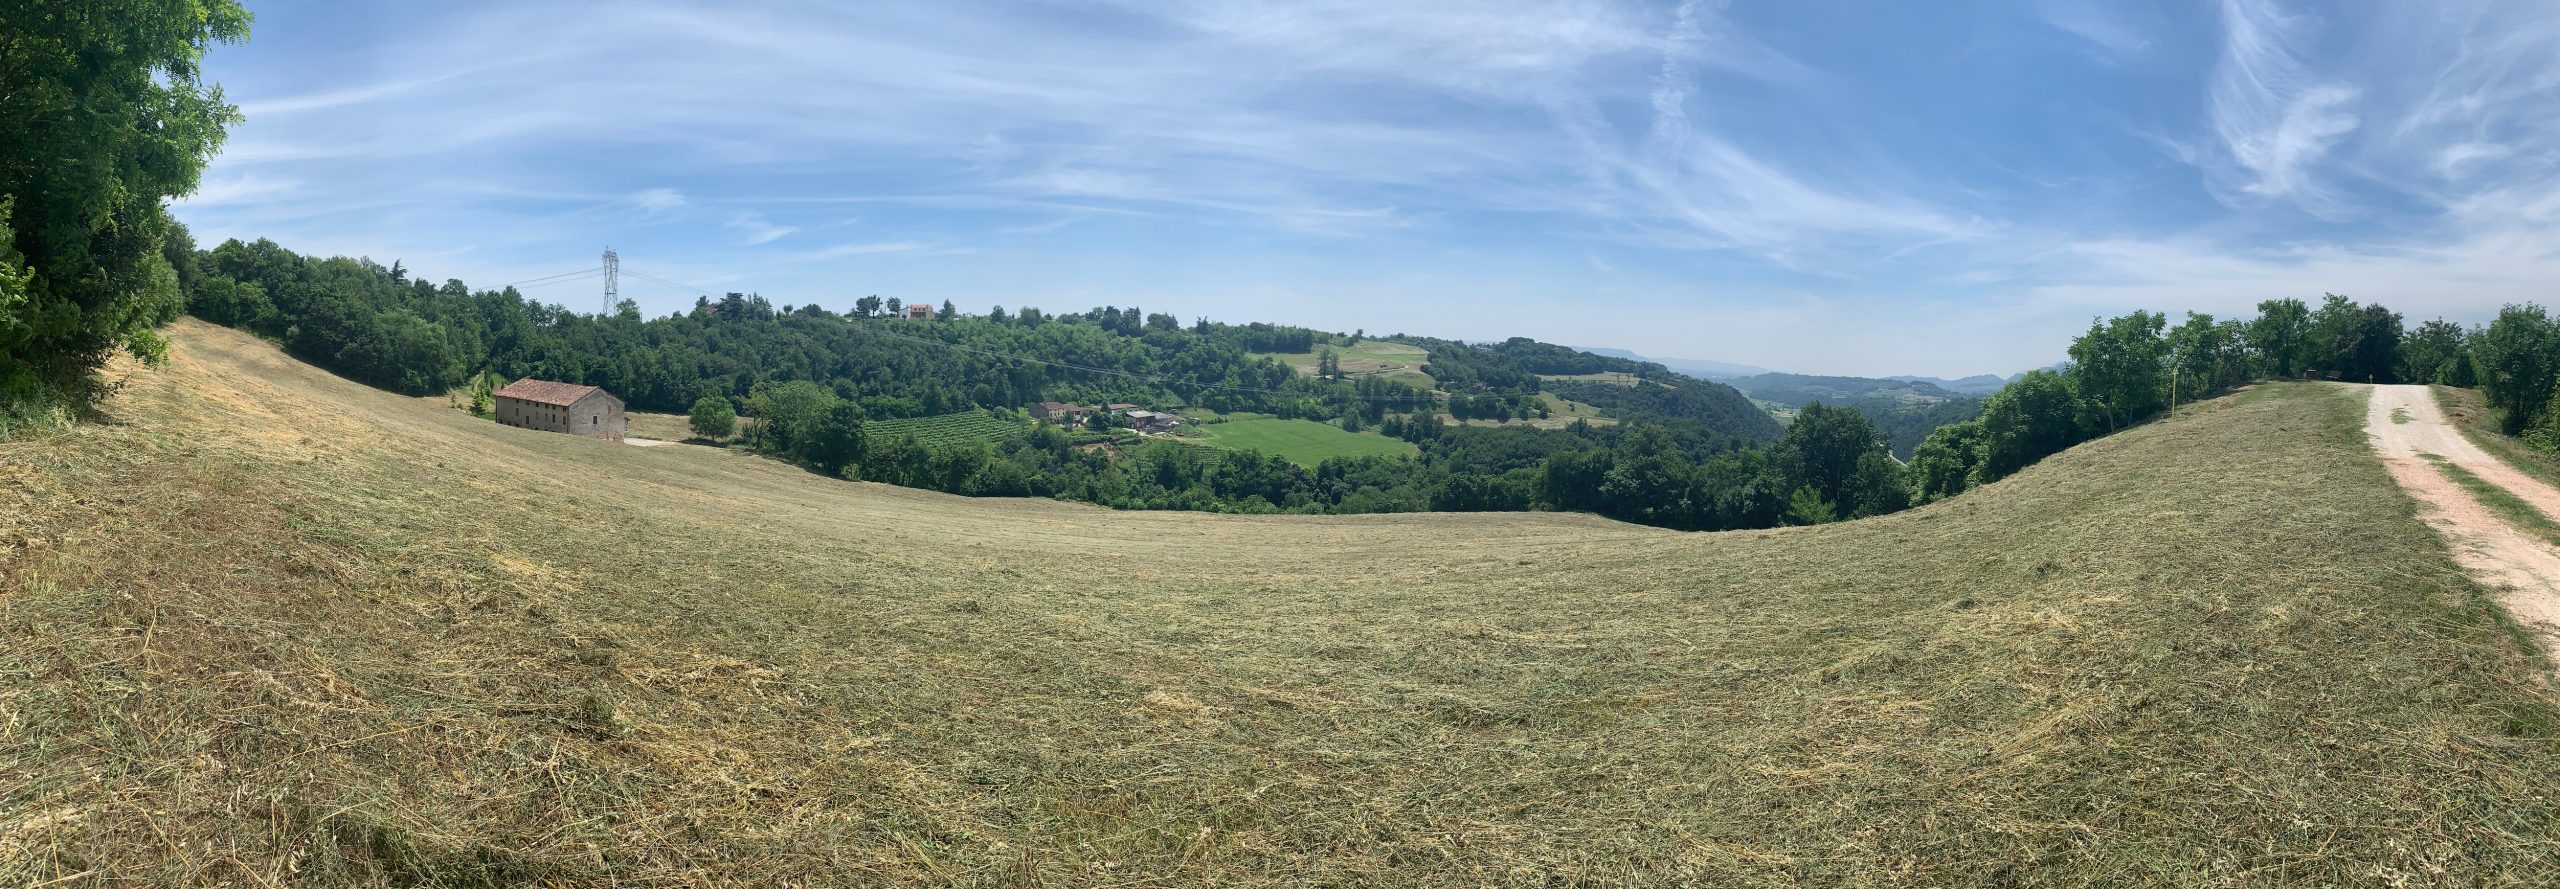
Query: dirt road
[2406,426]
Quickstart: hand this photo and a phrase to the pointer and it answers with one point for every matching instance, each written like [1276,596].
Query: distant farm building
[1150,421]
[561,407]
[1118,408]
[1060,411]
[919,312]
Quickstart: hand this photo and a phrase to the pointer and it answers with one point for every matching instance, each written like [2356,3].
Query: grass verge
[2499,500]
[2478,422]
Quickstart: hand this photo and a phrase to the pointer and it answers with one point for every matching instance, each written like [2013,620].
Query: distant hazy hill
[1978,384]
[1696,367]
[1660,392]
[1798,390]
[1906,410]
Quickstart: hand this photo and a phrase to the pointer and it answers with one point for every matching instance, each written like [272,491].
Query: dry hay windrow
[269,628]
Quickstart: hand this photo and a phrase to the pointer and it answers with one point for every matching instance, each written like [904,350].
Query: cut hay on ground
[266,628]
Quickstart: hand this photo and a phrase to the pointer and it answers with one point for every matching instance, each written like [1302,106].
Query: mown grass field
[663,427]
[1304,442]
[260,627]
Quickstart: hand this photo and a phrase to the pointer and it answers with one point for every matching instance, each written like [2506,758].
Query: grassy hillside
[260,626]
[1303,442]
[1394,361]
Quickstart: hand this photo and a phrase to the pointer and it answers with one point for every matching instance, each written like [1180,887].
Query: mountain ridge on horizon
[1727,371]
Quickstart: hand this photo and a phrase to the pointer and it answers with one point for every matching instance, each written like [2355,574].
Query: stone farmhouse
[1060,411]
[561,407]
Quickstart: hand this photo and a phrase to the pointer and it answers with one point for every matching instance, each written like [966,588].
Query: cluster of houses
[1138,419]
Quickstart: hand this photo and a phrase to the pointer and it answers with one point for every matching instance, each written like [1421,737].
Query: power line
[658,280]
[581,276]
[549,277]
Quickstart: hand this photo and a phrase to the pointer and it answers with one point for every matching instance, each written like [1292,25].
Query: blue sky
[1833,187]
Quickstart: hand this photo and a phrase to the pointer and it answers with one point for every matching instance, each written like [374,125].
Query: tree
[713,417]
[1823,451]
[1806,507]
[2034,416]
[483,390]
[867,307]
[2119,364]
[2358,342]
[2375,353]
[2461,372]
[1943,465]
[2190,349]
[948,312]
[2517,364]
[789,416]
[2277,334]
[894,307]
[223,300]
[837,444]
[997,315]
[1878,486]
[2427,348]
[104,115]
[1647,482]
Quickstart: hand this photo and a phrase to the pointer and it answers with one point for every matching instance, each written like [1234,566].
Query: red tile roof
[545,392]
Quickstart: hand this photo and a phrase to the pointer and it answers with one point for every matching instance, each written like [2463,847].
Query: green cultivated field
[1304,442]
[260,626]
[1393,361]
[947,429]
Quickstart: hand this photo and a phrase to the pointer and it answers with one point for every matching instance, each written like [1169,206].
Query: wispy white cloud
[244,188]
[1769,151]
[877,248]
[1041,228]
[2452,160]
[658,199]
[2276,119]
[2089,21]
[758,230]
